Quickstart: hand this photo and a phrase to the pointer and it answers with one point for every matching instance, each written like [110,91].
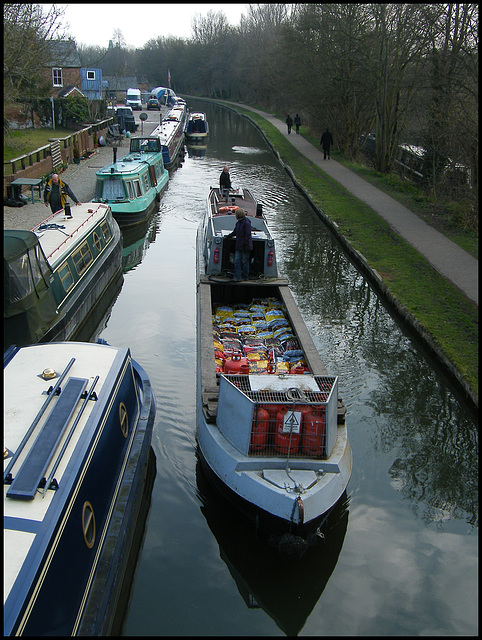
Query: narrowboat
[60,273]
[254,560]
[197,128]
[171,134]
[270,425]
[78,421]
[132,186]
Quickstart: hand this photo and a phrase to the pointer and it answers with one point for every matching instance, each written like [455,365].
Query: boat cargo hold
[132,186]
[78,420]
[57,275]
[270,424]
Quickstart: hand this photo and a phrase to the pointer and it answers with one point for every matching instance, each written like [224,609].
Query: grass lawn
[20,141]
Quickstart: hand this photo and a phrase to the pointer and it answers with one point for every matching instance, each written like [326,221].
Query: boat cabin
[197,126]
[134,175]
[220,221]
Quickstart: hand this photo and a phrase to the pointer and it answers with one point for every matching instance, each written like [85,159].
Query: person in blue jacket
[244,245]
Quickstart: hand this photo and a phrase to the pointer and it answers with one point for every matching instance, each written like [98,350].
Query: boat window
[130,189]
[97,242]
[106,232]
[113,190]
[17,284]
[137,188]
[88,524]
[82,258]
[124,419]
[146,181]
[65,276]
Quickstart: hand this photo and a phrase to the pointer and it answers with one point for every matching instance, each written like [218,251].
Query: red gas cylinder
[313,440]
[237,364]
[259,429]
[281,438]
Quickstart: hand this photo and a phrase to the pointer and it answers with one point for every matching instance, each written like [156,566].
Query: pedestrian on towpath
[56,192]
[326,141]
[289,122]
[297,122]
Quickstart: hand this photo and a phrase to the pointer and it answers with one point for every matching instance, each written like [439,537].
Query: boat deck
[59,233]
[219,205]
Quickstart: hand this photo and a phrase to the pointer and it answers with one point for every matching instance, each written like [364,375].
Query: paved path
[447,257]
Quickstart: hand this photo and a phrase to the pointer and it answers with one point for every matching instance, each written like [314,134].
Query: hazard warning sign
[292,422]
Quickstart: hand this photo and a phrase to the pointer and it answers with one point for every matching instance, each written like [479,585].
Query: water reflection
[196,150]
[136,241]
[286,591]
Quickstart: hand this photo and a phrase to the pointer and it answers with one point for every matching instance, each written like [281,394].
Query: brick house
[63,69]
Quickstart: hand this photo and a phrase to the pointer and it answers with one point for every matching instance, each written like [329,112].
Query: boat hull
[72,290]
[261,484]
[63,581]
[88,301]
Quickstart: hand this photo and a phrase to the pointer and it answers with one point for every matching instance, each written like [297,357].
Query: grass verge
[448,317]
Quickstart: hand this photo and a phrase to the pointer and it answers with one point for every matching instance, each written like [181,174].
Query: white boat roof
[23,397]
[58,234]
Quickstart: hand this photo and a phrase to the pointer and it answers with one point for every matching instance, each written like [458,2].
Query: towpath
[79,177]
[446,256]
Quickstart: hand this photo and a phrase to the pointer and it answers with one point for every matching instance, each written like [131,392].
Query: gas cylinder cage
[291,421]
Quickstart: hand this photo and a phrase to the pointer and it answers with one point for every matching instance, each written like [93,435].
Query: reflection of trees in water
[435,438]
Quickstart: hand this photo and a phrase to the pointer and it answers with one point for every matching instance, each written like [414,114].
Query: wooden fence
[54,156]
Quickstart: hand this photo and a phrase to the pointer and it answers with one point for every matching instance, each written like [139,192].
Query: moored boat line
[171,133]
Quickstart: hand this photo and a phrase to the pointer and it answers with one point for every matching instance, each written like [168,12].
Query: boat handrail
[89,396]
[50,396]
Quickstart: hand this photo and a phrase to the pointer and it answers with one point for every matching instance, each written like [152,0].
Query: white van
[133,99]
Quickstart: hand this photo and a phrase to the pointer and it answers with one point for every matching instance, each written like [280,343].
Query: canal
[401,553]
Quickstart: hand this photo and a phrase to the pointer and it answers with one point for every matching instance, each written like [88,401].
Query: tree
[27,30]
[399,38]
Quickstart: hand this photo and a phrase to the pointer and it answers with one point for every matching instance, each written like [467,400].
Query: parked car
[153,103]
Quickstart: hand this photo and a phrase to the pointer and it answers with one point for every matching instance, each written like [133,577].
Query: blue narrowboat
[132,186]
[171,134]
[197,128]
[60,273]
[78,421]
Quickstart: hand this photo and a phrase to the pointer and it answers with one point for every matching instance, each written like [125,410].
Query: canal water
[401,553]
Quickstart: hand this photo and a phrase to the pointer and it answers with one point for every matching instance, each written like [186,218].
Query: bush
[76,109]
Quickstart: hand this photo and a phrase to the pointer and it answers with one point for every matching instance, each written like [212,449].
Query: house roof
[120,83]
[63,53]
[67,91]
